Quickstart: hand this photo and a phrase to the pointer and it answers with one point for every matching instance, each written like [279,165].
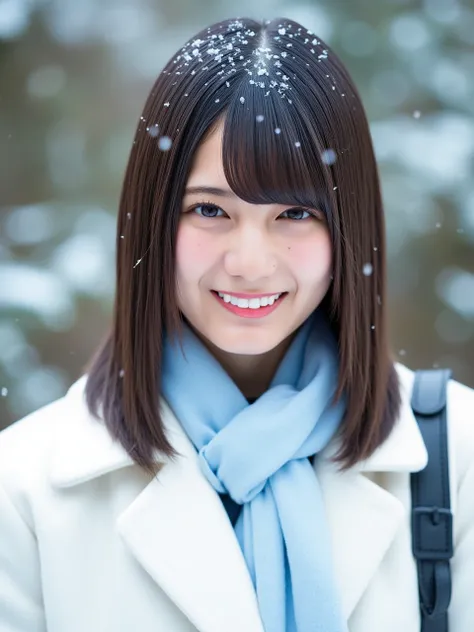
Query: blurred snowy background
[74,75]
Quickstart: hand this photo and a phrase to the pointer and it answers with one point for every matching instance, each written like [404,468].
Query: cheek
[193,254]
[312,259]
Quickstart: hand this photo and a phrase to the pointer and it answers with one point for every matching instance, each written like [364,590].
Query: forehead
[207,159]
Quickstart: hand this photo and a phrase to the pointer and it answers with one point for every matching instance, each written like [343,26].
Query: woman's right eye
[207,210]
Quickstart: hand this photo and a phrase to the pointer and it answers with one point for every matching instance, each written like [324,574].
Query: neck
[251,373]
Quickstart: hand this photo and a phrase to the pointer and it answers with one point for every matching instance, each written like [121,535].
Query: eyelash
[312,214]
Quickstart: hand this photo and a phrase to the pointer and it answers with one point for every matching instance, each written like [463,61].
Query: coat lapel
[176,527]
[363,520]
[364,517]
[179,531]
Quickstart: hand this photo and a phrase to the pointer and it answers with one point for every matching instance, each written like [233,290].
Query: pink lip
[243,295]
[261,312]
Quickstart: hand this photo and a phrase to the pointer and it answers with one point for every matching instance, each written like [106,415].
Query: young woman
[237,456]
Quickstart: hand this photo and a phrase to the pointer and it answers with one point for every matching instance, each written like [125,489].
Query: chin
[245,342]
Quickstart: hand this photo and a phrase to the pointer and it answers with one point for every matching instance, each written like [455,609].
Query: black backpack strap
[432,521]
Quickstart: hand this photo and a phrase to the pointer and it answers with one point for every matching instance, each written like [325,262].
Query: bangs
[272,154]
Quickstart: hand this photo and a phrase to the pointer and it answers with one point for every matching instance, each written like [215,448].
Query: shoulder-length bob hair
[295,132]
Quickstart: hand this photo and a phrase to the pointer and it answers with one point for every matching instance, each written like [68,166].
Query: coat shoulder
[27,445]
[460,404]
[460,414]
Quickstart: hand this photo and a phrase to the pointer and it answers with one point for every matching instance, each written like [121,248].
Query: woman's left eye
[295,213]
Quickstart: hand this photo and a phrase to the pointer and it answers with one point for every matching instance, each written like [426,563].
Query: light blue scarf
[258,453]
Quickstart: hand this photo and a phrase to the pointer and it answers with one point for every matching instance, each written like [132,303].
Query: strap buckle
[432,533]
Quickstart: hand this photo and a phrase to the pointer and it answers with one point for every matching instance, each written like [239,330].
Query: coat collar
[86,450]
[178,530]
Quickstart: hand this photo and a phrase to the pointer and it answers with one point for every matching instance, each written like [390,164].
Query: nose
[251,255]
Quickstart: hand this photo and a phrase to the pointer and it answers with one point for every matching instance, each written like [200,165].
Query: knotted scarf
[258,454]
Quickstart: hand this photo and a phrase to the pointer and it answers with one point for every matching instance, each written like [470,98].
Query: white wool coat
[88,542]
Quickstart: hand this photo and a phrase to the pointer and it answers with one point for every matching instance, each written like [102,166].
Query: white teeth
[261,302]
[252,303]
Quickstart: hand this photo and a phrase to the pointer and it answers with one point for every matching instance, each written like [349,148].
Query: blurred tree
[74,77]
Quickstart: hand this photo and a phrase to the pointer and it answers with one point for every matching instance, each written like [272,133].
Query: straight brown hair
[295,132]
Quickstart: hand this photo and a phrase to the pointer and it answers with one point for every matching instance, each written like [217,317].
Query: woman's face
[227,245]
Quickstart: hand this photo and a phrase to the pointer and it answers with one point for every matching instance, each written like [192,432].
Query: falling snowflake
[329,156]
[154,130]
[165,143]
[368,269]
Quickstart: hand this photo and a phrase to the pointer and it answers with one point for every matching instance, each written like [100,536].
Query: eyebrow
[225,193]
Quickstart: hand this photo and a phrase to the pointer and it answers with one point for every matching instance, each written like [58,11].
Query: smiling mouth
[250,308]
